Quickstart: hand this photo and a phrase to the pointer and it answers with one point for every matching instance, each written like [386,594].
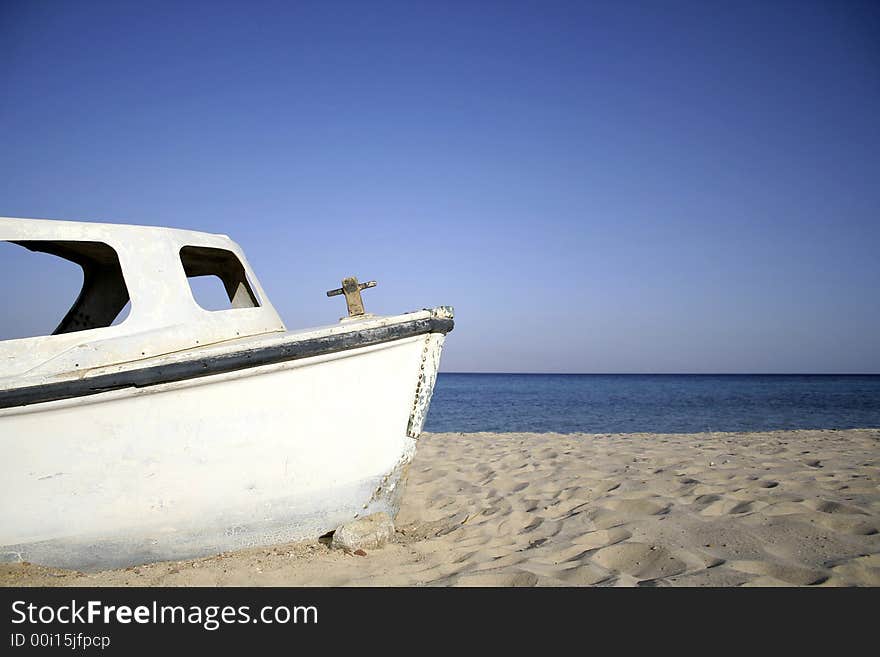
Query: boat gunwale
[194,368]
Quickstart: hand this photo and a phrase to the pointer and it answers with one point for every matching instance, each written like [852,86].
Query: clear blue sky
[596,187]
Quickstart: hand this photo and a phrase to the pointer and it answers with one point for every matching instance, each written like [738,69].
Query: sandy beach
[714,509]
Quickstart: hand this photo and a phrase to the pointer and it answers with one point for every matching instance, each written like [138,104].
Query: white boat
[180,431]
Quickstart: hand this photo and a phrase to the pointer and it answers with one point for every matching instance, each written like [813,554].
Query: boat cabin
[146,271]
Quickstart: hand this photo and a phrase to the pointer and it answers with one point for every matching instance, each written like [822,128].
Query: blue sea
[659,403]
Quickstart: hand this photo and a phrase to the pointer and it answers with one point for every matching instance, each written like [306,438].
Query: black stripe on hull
[239,360]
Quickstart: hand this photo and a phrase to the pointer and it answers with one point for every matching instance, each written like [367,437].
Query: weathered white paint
[252,457]
[427,378]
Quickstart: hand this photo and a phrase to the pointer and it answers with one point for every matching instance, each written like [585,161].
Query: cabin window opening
[43,284]
[217,279]
[123,314]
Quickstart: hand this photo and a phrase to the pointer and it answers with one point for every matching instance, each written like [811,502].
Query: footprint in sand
[785,508]
[846,524]
[584,575]
[703,501]
[638,507]
[769,571]
[605,518]
[532,526]
[865,570]
[639,560]
[496,578]
[584,546]
[601,538]
[835,507]
[723,507]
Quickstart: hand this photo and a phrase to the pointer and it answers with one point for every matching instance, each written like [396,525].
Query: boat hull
[255,456]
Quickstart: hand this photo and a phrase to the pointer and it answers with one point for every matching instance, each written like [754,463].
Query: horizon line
[679,373]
